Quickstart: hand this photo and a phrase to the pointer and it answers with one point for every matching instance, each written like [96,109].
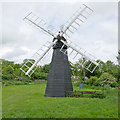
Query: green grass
[28,101]
[0,100]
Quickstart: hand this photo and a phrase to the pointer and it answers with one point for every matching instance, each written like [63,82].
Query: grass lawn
[28,101]
[0,100]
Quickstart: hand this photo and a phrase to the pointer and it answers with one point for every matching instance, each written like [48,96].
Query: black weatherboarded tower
[59,77]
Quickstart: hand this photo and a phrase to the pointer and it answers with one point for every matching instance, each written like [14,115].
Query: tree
[17,73]
[46,68]
[11,71]
[7,72]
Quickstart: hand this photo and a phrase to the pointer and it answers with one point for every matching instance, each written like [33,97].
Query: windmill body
[59,77]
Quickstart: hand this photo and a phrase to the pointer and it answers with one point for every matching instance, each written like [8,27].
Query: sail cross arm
[78,18]
[35,64]
[39,23]
[91,59]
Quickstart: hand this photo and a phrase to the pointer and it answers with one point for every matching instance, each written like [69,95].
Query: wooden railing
[90,94]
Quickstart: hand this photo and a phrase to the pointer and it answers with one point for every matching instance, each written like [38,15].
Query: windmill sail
[31,64]
[88,60]
[40,23]
[79,17]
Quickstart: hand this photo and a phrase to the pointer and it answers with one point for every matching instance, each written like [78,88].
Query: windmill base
[59,77]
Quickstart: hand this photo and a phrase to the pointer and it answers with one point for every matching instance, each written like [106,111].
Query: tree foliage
[107,79]
[105,74]
[92,81]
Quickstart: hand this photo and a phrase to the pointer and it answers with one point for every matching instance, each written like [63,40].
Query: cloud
[0,25]
[98,35]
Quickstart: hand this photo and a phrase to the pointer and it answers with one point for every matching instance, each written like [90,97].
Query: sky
[98,35]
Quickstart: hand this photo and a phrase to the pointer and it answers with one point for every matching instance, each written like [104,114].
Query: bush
[98,95]
[6,83]
[7,77]
[114,84]
[12,82]
[92,81]
[25,78]
[107,80]
[40,76]
[20,83]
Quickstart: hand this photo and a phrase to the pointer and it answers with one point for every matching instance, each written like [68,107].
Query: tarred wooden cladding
[59,77]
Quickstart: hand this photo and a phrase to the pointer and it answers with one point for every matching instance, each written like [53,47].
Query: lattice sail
[31,64]
[79,17]
[80,56]
[33,19]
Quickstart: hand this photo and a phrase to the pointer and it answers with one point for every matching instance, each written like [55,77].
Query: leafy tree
[7,72]
[17,66]
[46,68]
[17,74]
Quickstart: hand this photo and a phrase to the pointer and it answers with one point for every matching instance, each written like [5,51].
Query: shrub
[24,78]
[40,76]
[92,81]
[114,84]
[19,83]
[107,80]
[7,77]
[13,82]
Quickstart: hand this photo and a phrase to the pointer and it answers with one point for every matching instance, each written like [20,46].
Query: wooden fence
[91,94]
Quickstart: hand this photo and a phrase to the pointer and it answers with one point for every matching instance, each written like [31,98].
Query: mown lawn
[28,101]
[0,100]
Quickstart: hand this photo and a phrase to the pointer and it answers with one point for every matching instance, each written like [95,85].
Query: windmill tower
[59,77]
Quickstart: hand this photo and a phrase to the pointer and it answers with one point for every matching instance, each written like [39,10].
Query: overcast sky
[98,35]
